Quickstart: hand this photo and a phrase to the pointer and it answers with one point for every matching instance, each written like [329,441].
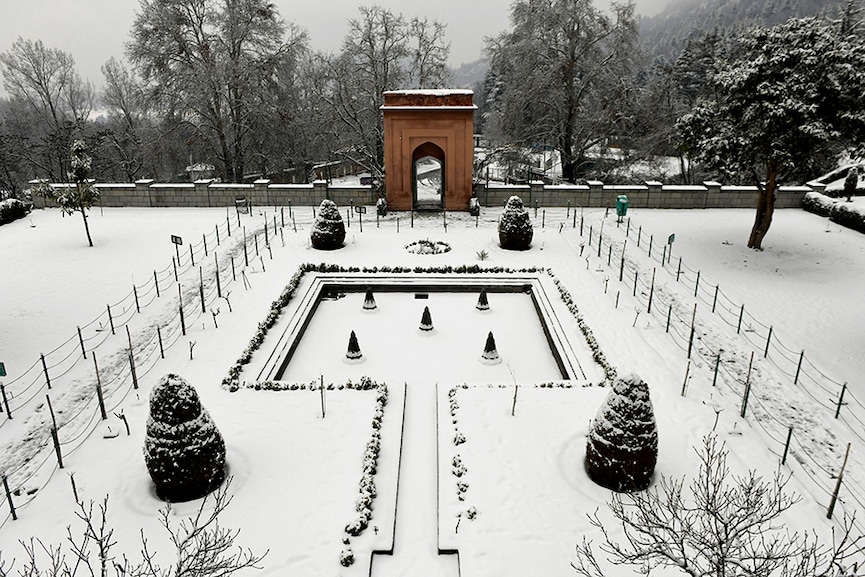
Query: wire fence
[85,389]
[197,276]
[764,380]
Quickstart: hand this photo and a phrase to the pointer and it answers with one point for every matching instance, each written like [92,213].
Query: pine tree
[622,445]
[183,450]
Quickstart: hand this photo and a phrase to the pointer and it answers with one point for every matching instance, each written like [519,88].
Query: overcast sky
[94,30]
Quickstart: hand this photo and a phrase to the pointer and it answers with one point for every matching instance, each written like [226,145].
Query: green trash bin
[621,206]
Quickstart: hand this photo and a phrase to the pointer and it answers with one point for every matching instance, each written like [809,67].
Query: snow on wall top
[445,98]
[432,91]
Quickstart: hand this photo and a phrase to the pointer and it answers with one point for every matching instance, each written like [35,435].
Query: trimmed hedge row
[840,212]
[13,209]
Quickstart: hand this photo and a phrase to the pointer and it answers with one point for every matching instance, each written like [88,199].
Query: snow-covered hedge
[622,444]
[838,211]
[328,231]
[183,450]
[515,227]
[849,215]
[818,203]
[13,209]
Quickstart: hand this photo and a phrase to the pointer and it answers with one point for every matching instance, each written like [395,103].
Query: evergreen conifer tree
[183,450]
[622,445]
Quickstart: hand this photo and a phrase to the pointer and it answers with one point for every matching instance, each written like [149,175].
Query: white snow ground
[296,474]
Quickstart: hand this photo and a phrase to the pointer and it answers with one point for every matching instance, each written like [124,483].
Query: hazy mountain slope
[666,33]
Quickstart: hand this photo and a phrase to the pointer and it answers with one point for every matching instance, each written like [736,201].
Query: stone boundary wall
[595,194]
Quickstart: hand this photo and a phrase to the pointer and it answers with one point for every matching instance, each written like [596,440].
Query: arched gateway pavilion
[428,149]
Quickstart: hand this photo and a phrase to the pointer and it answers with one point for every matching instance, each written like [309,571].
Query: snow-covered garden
[440,451]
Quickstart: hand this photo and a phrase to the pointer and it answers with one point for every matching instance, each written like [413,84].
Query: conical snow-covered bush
[353,353]
[490,354]
[515,228]
[183,450]
[483,302]
[426,323]
[369,301]
[622,445]
[328,231]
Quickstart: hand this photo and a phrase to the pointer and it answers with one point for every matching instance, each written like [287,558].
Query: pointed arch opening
[428,177]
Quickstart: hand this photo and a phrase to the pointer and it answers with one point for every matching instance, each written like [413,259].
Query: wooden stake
[57,447]
[45,370]
[747,387]
[787,445]
[321,388]
[5,400]
[838,484]
[99,396]
[81,340]
[685,383]
[514,405]
[691,337]
[651,292]
[9,498]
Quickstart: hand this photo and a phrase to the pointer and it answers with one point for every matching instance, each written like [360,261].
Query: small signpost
[177,242]
[670,240]
[360,210]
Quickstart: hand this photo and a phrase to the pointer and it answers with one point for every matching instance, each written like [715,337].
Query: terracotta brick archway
[436,123]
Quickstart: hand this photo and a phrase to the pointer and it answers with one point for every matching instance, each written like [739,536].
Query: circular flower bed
[427,246]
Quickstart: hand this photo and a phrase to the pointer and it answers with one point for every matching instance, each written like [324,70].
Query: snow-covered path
[416,539]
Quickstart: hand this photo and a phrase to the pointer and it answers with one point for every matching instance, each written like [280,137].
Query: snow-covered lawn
[296,474]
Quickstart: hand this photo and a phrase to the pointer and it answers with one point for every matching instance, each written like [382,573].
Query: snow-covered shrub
[183,450]
[845,214]
[328,231]
[346,557]
[848,215]
[381,206]
[818,203]
[13,209]
[474,205]
[515,228]
[622,444]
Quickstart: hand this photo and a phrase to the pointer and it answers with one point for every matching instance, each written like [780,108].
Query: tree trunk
[86,225]
[765,209]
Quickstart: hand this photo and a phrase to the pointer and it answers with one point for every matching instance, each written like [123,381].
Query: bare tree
[126,104]
[722,525]
[202,547]
[211,61]
[46,82]
[382,51]
[560,75]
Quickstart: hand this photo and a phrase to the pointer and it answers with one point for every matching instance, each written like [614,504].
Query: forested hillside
[666,34]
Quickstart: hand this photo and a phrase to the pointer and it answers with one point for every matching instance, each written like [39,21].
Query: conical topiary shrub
[515,228]
[183,450]
[369,301]
[490,354]
[353,353]
[328,231]
[426,323]
[622,445]
[483,302]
